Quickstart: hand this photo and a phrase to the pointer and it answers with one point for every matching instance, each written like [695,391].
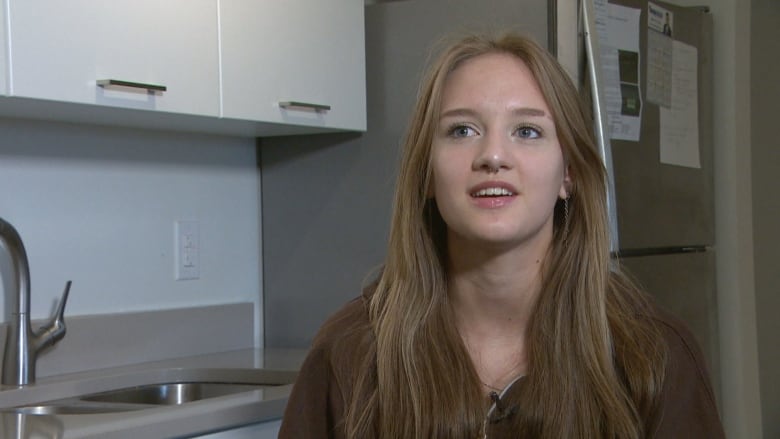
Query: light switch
[187,249]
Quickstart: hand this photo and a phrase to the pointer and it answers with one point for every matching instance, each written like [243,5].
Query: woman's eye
[461,131]
[527,132]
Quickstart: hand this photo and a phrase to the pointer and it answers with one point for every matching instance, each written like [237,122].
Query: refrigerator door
[684,285]
[658,204]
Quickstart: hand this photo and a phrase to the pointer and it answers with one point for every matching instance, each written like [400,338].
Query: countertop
[193,418]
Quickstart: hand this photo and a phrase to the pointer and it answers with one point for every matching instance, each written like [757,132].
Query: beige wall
[747,102]
[740,384]
[765,107]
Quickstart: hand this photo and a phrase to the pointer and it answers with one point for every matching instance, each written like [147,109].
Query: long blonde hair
[595,359]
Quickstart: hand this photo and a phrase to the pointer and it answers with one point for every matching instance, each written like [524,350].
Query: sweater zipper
[496,405]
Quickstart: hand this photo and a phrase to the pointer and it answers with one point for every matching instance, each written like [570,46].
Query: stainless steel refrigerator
[662,198]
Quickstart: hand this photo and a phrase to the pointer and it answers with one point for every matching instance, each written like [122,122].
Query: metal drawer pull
[150,87]
[295,104]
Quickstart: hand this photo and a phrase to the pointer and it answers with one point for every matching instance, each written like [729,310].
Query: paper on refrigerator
[659,55]
[618,31]
[680,123]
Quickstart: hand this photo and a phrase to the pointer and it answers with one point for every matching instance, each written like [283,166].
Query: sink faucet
[22,343]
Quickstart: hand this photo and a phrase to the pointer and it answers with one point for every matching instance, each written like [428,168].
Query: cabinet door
[61,49]
[3,52]
[312,52]
[263,430]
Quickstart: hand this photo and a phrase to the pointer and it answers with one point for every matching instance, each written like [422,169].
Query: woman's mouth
[492,192]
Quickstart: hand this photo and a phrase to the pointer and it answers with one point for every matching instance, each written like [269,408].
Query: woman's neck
[491,302]
[492,294]
[493,290]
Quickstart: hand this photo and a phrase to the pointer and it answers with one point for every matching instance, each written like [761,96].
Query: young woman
[498,312]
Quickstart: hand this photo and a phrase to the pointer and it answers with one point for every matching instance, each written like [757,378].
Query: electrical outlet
[187,245]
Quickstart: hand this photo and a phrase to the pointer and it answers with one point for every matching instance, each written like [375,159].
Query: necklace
[496,389]
[511,373]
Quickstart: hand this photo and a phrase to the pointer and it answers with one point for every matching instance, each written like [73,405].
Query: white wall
[97,205]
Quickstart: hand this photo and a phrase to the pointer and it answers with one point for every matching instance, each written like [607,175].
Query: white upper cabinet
[3,49]
[295,62]
[63,50]
[240,67]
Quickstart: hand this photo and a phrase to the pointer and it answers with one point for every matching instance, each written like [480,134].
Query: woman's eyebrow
[521,111]
[459,112]
[529,111]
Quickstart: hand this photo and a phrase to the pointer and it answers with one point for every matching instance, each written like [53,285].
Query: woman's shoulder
[684,357]
[688,401]
[682,346]
[350,320]
[346,337]
[324,383]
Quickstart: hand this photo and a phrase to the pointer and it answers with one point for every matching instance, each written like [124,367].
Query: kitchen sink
[169,387]
[171,393]
[72,407]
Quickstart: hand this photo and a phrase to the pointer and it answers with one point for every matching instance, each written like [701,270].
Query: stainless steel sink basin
[167,387]
[171,393]
[72,408]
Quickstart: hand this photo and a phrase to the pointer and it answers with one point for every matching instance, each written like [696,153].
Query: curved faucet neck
[22,343]
[18,298]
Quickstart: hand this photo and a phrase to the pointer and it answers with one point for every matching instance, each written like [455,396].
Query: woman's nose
[492,156]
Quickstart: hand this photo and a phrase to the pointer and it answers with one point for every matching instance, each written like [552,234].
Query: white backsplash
[97,205]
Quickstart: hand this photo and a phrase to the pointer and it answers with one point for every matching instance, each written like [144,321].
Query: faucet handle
[54,330]
[59,315]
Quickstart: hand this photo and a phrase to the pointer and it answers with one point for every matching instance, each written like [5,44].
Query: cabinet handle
[295,104]
[150,87]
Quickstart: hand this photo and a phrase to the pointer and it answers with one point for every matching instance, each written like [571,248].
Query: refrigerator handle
[591,36]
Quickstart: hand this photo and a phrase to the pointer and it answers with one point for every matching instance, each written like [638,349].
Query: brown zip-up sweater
[316,406]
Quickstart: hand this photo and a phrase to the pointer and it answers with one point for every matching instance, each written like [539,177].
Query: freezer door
[684,284]
[658,204]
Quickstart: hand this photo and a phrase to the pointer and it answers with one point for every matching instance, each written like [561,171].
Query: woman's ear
[566,185]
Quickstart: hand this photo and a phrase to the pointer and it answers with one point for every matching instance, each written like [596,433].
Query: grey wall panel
[326,199]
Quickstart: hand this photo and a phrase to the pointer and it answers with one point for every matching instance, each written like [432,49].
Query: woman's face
[498,167]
